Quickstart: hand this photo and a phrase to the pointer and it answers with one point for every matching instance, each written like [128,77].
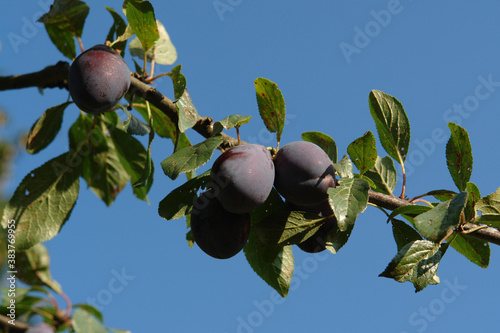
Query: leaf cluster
[105,153]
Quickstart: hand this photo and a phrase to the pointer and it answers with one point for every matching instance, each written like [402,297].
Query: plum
[219,233]
[316,243]
[98,79]
[243,177]
[304,172]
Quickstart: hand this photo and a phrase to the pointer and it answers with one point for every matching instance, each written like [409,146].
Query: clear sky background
[325,56]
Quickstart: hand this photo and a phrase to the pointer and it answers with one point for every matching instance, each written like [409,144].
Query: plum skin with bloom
[304,173]
[98,79]
[218,233]
[243,177]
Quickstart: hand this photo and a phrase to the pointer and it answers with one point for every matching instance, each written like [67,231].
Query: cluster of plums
[98,79]
[242,179]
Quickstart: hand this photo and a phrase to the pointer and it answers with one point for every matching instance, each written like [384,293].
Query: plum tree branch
[56,76]
[9,328]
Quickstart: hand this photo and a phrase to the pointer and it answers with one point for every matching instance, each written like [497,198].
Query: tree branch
[488,234]
[56,76]
[8,328]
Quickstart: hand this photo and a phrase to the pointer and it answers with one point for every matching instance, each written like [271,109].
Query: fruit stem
[238,134]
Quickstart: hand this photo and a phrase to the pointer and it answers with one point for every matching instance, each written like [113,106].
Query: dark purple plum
[219,233]
[304,173]
[316,243]
[98,79]
[243,177]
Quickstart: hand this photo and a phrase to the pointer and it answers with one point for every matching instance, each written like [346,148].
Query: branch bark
[56,76]
[9,328]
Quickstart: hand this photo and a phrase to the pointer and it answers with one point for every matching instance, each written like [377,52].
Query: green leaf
[121,40]
[163,52]
[45,129]
[190,158]
[437,222]
[135,126]
[65,19]
[383,175]
[229,122]
[403,233]
[442,195]
[190,238]
[117,29]
[477,251]
[273,204]
[141,18]
[344,167]
[363,152]
[134,159]
[408,210]
[336,239]
[84,322]
[43,201]
[324,141]
[286,228]
[102,167]
[490,204]
[179,81]
[90,309]
[33,267]
[188,116]
[162,124]
[473,197]
[348,200]
[179,202]
[63,40]
[274,264]
[271,105]
[459,156]
[24,300]
[146,180]
[416,262]
[393,126]
[492,220]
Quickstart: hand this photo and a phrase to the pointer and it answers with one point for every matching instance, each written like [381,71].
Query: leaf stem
[152,65]
[448,234]
[80,43]
[403,189]
[422,200]
[149,80]
[474,229]
[377,206]
[144,70]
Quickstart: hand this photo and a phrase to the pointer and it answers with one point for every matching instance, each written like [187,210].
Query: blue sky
[439,59]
